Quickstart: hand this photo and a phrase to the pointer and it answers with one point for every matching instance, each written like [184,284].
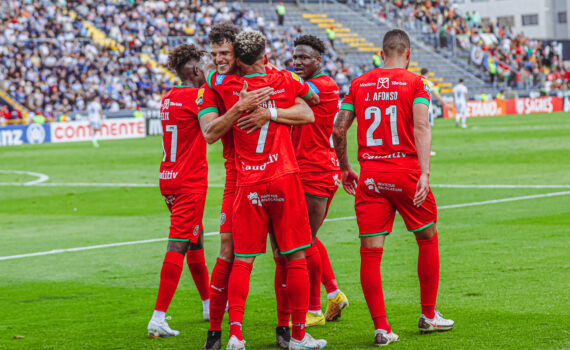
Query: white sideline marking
[87,184]
[57,251]
[40,178]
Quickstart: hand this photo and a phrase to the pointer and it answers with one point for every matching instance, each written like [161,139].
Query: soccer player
[268,189]
[95,117]
[183,184]
[460,95]
[319,174]
[437,96]
[391,108]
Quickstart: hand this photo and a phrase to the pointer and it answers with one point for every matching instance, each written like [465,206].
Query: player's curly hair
[182,54]
[312,41]
[223,32]
[249,46]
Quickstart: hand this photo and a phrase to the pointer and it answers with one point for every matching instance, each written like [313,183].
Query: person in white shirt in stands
[95,117]
[460,96]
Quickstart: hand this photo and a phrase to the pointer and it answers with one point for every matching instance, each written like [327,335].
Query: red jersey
[313,144]
[184,168]
[266,153]
[383,100]
[208,101]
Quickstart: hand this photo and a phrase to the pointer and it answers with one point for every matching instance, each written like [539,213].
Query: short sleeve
[348,101]
[206,100]
[422,91]
[299,86]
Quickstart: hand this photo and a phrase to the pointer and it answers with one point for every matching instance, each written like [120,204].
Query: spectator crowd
[50,63]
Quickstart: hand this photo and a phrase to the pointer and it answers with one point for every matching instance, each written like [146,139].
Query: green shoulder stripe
[207,110]
[423,100]
[347,106]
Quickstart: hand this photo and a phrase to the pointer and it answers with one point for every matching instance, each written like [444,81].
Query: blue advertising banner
[12,135]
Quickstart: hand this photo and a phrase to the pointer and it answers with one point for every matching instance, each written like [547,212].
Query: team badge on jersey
[166,104]
[427,85]
[200,98]
[220,79]
[296,77]
[196,229]
[223,218]
[383,83]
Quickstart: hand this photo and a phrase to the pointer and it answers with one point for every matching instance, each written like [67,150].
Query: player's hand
[349,180]
[422,190]
[249,100]
[255,120]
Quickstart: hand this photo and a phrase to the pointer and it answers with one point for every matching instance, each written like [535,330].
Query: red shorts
[321,185]
[186,211]
[228,200]
[277,206]
[379,195]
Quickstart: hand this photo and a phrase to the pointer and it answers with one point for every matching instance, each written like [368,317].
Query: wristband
[273,112]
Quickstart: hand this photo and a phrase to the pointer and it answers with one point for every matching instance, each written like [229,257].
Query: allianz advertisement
[13,135]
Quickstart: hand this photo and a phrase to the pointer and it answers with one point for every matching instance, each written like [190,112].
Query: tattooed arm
[343,122]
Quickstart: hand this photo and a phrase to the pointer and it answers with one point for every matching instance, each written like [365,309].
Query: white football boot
[436,324]
[308,342]
[160,329]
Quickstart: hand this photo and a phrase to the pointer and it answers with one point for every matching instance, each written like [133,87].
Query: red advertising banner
[111,129]
[526,105]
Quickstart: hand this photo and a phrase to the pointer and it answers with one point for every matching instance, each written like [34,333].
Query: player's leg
[316,207]
[199,271]
[375,216]
[290,222]
[223,267]
[458,110]
[282,331]
[186,212]
[250,225]
[96,130]
[464,117]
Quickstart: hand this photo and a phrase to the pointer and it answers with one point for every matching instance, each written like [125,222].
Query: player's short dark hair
[461,80]
[424,71]
[395,42]
[182,54]
[312,41]
[249,46]
[223,32]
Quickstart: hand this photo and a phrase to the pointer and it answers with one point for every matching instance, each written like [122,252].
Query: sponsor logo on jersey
[200,98]
[222,218]
[168,175]
[399,83]
[196,229]
[220,79]
[272,159]
[166,103]
[427,85]
[387,156]
[383,83]
[296,77]
[254,198]
[367,84]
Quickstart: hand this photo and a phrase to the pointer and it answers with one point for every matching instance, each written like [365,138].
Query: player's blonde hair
[249,46]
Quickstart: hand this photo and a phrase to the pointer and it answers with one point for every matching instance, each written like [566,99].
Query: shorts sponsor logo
[254,198]
[169,199]
[200,98]
[222,218]
[336,180]
[36,133]
[383,83]
[372,185]
[196,230]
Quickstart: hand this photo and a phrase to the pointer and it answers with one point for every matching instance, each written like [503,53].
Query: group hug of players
[284,163]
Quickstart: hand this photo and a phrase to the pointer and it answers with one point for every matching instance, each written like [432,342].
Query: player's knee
[373,241]
[299,254]
[247,259]
[196,246]
[426,233]
[177,246]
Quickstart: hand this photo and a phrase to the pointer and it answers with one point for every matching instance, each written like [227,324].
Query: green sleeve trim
[312,195]
[209,78]
[423,100]
[207,110]
[347,106]
[308,94]
[423,227]
[318,75]
[294,250]
[247,255]
[179,240]
[374,234]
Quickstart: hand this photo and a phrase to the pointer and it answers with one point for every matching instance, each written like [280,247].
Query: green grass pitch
[504,266]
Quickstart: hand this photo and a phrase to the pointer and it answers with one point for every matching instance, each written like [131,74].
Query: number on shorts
[262,138]
[173,143]
[374,112]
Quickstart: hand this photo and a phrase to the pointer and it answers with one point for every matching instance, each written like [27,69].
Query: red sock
[371,281]
[315,273]
[169,277]
[281,296]
[219,293]
[199,270]
[428,273]
[298,291]
[238,288]
[328,278]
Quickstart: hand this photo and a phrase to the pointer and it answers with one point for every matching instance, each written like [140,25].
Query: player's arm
[298,114]
[312,99]
[422,139]
[215,126]
[342,124]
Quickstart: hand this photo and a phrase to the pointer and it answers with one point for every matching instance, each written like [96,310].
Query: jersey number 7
[173,143]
